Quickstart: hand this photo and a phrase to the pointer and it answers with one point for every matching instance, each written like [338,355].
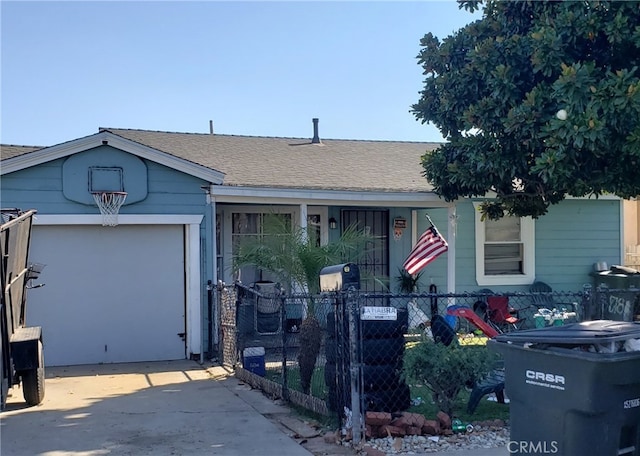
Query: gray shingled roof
[9,150]
[274,162]
[295,162]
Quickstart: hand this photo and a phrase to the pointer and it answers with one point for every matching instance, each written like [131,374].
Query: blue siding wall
[40,187]
[169,192]
[570,238]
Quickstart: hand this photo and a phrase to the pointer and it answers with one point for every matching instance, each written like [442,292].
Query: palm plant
[408,283]
[295,259]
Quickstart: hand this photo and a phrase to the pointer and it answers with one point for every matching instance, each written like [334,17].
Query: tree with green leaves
[295,258]
[537,100]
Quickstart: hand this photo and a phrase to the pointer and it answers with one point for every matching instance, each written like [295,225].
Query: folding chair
[480,306]
[504,317]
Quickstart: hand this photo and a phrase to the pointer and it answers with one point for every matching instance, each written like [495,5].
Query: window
[248,222]
[314,228]
[505,250]
[250,226]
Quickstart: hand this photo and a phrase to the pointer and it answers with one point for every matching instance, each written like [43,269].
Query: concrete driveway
[160,408]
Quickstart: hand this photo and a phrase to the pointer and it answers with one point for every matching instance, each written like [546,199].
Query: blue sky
[253,68]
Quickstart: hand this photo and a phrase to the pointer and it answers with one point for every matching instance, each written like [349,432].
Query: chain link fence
[358,340]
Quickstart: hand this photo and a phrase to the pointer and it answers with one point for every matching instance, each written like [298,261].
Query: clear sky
[253,68]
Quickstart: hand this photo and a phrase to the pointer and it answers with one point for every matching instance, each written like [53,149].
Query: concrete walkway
[161,408]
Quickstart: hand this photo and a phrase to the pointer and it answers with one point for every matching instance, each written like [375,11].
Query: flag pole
[429,219]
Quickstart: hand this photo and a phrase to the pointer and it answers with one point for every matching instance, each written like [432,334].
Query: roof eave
[232,194]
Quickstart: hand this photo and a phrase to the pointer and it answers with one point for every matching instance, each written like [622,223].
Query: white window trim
[528,233]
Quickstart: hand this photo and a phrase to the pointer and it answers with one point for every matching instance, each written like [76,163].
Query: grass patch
[472,339]
[486,410]
[465,339]
[318,387]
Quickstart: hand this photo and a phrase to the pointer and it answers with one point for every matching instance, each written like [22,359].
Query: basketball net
[109,204]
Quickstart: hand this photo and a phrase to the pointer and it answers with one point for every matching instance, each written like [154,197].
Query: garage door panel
[112,294]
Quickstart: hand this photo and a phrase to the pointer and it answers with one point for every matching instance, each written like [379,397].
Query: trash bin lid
[616,269]
[584,332]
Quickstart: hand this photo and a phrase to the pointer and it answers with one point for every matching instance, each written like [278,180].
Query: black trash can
[619,288]
[573,389]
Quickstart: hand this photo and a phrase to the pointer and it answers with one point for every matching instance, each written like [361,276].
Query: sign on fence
[379,313]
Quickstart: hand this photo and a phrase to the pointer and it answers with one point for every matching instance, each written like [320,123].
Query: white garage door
[111,294]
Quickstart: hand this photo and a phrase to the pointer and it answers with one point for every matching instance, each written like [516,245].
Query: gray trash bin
[572,391]
[619,291]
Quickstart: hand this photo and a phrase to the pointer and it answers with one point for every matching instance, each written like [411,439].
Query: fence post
[434,299]
[285,382]
[356,415]
[210,319]
[602,294]
[587,302]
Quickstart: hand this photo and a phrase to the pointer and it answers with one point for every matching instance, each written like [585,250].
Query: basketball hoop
[109,204]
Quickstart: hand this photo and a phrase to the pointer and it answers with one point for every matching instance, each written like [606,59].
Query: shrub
[445,370]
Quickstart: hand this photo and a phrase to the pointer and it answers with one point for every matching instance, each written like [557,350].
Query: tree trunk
[445,399]
[310,341]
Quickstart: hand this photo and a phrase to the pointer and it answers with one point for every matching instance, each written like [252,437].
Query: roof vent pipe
[316,138]
[211,127]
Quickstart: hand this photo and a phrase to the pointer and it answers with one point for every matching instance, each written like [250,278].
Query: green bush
[446,370]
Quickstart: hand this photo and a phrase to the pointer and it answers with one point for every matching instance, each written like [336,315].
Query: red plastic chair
[501,314]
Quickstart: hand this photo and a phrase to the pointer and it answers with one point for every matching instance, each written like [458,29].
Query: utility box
[253,360]
[340,277]
[574,389]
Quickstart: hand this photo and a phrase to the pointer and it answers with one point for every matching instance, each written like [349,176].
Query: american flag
[430,245]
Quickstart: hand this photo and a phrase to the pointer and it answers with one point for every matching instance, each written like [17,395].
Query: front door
[375,263]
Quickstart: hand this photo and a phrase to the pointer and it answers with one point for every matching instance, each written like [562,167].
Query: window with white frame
[244,226]
[505,250]
[247,222]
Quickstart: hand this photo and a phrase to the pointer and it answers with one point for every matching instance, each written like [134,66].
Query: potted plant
[407,283]
[291,255]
